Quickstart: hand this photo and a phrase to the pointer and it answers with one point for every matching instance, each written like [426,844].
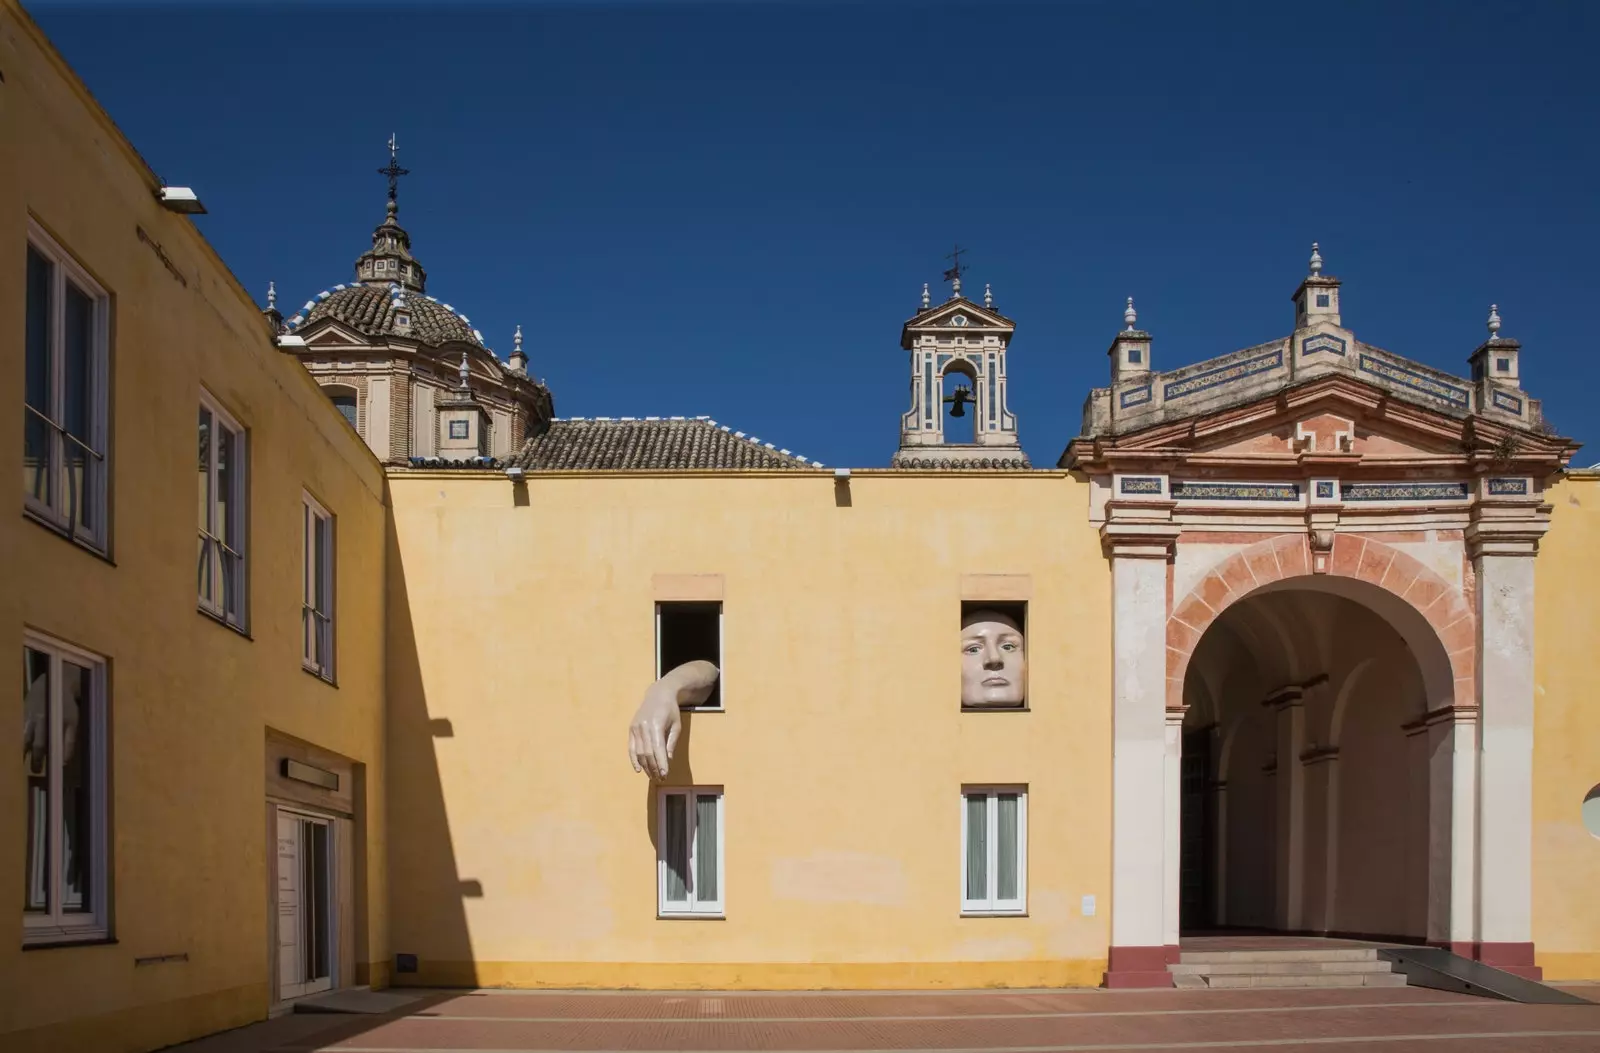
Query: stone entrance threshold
[1406,1020]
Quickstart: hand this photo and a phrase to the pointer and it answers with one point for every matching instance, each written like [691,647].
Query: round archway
[1313,707]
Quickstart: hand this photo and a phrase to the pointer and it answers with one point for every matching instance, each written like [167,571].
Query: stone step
[1279,968]
[1232,980]
[1341,954]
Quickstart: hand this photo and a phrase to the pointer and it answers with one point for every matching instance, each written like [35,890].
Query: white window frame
[52,510]
[693,907]
[722,651]
[317,604]
[991,905]
[57,925]
[238,499]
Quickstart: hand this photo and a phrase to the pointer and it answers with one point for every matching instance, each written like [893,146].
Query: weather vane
[953,275]
[394,171]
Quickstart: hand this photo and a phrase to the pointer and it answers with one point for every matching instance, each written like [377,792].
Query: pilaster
[1502,540]
[1139,542]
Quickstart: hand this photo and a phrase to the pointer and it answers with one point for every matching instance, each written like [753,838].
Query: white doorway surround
[307,921]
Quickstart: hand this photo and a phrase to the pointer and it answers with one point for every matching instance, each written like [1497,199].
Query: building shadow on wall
[680,773]
[430,944]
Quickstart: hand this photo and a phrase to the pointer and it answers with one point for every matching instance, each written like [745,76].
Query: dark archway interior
[1305,798]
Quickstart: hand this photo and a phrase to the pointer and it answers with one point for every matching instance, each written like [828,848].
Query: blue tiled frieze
[1415,381]
[1136,396]
[1236,491]
[1141,484]
[1405,491]
[1211,378]
[1501,400]
[1323,342]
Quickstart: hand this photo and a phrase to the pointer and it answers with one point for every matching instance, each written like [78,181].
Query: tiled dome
[374,310]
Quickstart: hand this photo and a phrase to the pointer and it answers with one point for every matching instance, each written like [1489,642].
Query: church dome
[373,310]
[387,296]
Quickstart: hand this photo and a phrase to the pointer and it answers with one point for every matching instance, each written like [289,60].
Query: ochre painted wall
[522,639]
[1566,738]
[190,701]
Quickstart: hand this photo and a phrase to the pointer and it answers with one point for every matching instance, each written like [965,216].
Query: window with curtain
[689,853]
[66,394]
[222,514]
[994,838]
[64,764]
[316,614]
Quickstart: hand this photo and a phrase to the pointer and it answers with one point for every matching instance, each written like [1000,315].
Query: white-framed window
[316,617]
[689,862]
[689,631]
[64,762]
[66,394]
[994,849]
[223,468]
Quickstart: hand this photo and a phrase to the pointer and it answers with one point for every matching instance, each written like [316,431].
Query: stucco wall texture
[190,700]
[523,849]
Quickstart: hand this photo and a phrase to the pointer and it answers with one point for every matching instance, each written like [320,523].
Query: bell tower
[962,343]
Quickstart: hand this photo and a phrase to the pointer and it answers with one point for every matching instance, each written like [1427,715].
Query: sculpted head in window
[994,662]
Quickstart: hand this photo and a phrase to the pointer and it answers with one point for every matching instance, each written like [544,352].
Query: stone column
[1463,795]
[1140,545]
[1219,887]
[1321,766]
[1290,786]
[1172,876]
[1505,752]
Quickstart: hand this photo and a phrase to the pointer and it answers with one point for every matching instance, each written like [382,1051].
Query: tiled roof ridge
[701,419]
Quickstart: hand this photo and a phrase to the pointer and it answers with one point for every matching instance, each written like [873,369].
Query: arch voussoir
[1444,606]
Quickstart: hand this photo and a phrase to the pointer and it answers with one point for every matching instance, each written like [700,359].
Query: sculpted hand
[653,735]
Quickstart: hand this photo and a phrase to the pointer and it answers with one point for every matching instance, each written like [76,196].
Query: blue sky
[730,208]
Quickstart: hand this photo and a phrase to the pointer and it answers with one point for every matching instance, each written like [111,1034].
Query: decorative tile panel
[1325,490]
[1501,400]
[1236,491]
[1322,342]
[1141,484]
[1136,396]
[1405,491]
[1410,378]
[1211,378]
[1508,487]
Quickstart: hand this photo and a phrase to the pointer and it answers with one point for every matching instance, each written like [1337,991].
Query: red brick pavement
[1390,1020]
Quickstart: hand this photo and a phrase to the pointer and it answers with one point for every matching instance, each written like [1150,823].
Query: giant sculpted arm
[653,735]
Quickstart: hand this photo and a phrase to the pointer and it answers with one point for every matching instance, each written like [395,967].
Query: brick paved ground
[1404,1020]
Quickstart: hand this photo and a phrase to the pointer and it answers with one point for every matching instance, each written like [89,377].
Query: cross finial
[1316,260]
[953,275]
[1494,322]
[988,296]
[394,172]
[272,296]
[924,296]
[1130,316]
[464,371]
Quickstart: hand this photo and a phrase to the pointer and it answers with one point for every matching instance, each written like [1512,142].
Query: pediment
[330,334]
[1335,417]
[959,313]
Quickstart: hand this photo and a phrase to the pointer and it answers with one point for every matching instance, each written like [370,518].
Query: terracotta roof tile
[671,444]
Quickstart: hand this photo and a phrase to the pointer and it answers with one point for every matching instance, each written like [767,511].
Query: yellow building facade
[140,820]
[326,749]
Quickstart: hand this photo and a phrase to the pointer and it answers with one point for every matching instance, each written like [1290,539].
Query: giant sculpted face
[994,663]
